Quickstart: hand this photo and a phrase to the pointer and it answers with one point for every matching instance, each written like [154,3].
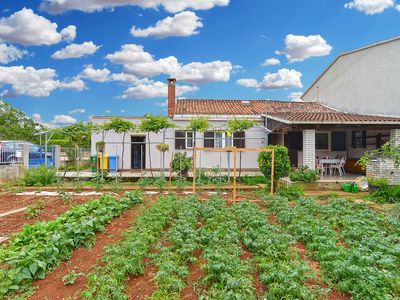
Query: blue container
[112,163]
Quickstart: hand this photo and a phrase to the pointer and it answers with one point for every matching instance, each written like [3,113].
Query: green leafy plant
[304,174]
[163,147]
[387,194]
[66,198]
[160,183]
[123,127]
[282,162]
[154,124]
[292,192]
[145,182]
[71,277]
[388,151]
[40,176]
[181,164]
[34,210]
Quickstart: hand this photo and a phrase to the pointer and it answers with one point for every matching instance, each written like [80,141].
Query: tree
[197,124]
[16,125]
[282,162]
[240,125]
[154,124]
[121,127]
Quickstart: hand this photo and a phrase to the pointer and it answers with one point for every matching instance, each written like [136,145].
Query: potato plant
[361,267]
[172,260]
[108,281]
[41,246]
[227,276]
[280,267]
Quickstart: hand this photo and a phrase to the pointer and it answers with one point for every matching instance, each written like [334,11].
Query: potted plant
[100,146]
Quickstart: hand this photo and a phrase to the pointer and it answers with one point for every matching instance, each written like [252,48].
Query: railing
[11,154]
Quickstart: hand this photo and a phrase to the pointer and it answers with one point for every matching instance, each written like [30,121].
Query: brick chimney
[171,96]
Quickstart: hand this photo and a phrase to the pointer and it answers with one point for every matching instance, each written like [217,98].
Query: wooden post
[234,174]
[272,171]
[194,169]
[170,171]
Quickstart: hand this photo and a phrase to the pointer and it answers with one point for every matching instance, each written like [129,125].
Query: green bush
[181,164]
[387,194]
[304,174]
[282,162]
[377,182]
[251,180]
[39,176]
[292,192]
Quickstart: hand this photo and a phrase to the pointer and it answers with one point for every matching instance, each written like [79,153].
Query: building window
[219,139]
[322,141]
[189,139]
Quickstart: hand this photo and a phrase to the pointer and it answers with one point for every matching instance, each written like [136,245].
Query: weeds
[71,277]
[34,210]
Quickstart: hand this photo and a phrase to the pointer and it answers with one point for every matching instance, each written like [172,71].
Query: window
[338,140]
[184,139]
[322,141]
[189,139]
[219,139]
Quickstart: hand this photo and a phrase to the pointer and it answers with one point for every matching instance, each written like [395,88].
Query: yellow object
[103,162]
[362,183]
[228,133]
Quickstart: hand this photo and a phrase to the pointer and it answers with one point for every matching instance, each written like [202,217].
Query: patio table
[327,162]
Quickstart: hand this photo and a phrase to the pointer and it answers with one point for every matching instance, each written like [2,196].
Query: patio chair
[339,167]
[319,167]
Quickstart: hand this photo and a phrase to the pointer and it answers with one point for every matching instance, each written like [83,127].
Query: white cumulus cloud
[76,50]
[248,82]
[295,96]
[283,79]
[140,63]
[98,75]
[27,28]
[62,120]
[10,53]
[370,7]
[155,90]
[299,47]
[183,24]
[20,80]
[69,33]
[271,62]
[60,6]
[78,111]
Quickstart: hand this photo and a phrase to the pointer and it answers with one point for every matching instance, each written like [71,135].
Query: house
[315,128]
[364,81]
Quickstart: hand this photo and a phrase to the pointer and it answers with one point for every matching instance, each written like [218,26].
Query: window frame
[189,138]
[328,133]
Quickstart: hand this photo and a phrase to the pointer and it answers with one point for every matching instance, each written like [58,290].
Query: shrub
[304,174]
[292,192]
[387,194]
[181,164]
[377,182]
[251,180]
[39,176]
[282,162]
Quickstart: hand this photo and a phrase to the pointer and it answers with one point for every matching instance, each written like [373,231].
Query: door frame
[143,151]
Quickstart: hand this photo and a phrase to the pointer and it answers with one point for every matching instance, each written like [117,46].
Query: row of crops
[38,248]
[358,250]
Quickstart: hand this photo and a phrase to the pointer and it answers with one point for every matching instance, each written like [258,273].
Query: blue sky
[65,62]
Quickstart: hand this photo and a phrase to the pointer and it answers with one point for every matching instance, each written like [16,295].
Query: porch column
[309,148]
[395,136]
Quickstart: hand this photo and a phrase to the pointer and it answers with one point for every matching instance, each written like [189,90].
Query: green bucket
[347,187]
[354,188]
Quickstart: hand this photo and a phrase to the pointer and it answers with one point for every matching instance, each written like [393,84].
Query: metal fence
[14,153]
[11,154]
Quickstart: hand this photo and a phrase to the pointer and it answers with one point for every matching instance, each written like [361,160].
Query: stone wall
[383,168]
[309,148]
[10,172]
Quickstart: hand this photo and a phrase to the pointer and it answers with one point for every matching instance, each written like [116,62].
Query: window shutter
[338,139]
[239,139]
[180,139]
[209,139]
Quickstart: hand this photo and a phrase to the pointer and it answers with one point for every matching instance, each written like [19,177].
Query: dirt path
[83,260]
[53,207]
[195,274]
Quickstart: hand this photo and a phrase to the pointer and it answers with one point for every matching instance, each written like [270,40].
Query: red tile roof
[289,112]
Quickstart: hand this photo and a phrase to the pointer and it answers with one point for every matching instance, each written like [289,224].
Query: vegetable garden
[187,247]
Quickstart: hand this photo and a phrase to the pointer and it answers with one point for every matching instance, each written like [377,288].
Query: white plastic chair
[339,167]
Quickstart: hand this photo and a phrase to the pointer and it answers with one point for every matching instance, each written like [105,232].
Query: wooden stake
[234,174]
[194,169]
[170,171]
[272,171]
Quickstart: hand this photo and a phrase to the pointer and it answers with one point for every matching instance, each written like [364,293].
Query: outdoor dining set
[329,166]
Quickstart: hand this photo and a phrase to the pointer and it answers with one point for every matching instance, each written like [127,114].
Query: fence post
[194,169]
[25,155]
[57,157]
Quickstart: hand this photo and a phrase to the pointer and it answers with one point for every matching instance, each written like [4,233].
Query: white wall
[366,82]
[254,139]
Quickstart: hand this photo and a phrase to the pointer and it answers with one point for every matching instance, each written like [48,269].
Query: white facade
[255,138]
[364,81]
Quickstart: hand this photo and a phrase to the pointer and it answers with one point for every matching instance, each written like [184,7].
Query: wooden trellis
[234,150]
